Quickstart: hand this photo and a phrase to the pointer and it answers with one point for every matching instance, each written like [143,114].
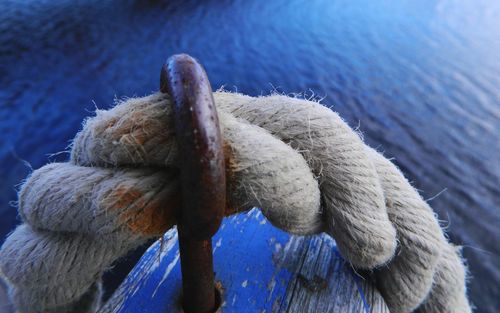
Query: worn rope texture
[298,161]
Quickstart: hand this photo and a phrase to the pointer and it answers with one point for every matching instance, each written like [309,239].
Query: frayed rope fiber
[298,161]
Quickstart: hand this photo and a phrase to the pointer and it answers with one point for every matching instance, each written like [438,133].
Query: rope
[298,161]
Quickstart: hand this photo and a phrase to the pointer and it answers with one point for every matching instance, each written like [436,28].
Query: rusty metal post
[203,180]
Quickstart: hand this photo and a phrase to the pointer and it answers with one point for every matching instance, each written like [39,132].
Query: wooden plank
[261,269]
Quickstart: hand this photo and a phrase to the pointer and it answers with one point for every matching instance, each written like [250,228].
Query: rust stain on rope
[154,219]
[150,218]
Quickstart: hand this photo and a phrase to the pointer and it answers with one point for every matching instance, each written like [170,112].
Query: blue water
[421,79]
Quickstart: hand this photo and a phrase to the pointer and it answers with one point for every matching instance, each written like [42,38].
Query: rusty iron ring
[203,180]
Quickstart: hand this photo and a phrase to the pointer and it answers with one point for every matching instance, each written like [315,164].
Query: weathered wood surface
[261,269]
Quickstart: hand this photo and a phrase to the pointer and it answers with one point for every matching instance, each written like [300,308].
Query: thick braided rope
[295,159]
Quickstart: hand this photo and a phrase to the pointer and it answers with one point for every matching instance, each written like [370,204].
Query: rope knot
[296,160]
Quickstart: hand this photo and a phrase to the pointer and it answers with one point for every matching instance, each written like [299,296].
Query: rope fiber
[296,160]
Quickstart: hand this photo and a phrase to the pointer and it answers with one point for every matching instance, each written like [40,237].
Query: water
[421,79]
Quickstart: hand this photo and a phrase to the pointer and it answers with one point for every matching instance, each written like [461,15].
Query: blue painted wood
[260,268]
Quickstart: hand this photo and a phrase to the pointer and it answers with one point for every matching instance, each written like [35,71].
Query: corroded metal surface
[200,144]
[203,178]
